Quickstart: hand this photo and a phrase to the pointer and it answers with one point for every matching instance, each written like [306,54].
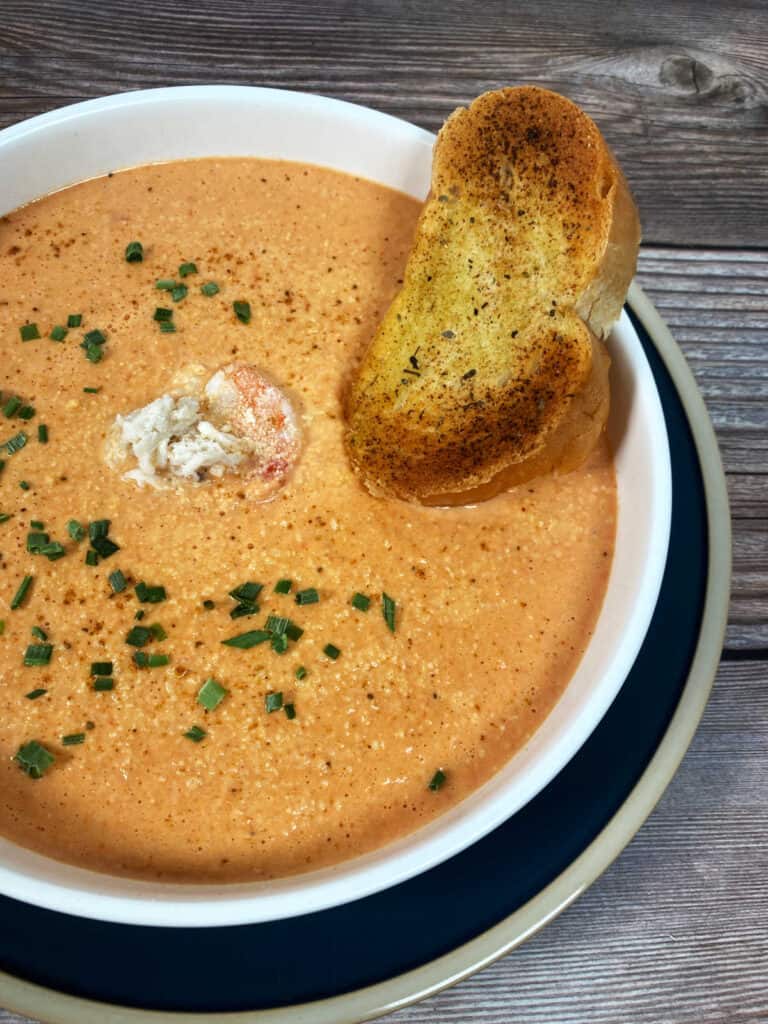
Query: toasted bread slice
[488,368]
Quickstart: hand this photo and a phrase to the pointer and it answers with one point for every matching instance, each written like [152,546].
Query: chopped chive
[157,660]
[209,288]
[301,672]
[157,631]
[104,547]
[29,332]
[101,668]
[283,586]
[332,651]
[38,654]
[98,528]
[162,313]
[437,780]
[2,626]
[167,327]
[150,595]
[246,640]
[26,412]
[53,550]
[36,540]
[15,444]
[179,292]
[134,252]
[21,593]
[74,319]
[247,592]
[209,605]
[91,391]
[5,516]
[102,684]
[388,611]
[277,625]
[361,602]
[139,615]
[195,734]
[308,596]
[273,702]
[24,485]
[91,558]
[38,633]
[243,609]
[34,759]
[34,694]
[10,407]
[36,524]
[95,337]
[93,353]
[58,333]
[164,284]
[117,581]
[242,311]
[141,659]
[211,694]
[74,739]
[187,268]
[290,711]
[42,433]
[139,636]
[279,643]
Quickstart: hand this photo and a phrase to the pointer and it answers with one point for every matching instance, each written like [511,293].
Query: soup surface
[494,605]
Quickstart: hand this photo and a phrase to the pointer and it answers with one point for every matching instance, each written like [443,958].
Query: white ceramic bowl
[93,138]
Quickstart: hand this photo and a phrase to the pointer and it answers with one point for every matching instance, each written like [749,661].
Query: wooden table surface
[677,929]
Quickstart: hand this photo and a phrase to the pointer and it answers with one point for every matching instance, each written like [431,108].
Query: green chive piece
[34,694]
[91,391]
[167,327]
[301,672]
[242,311]
[437,781]
[209,605]
[283,586]
[134,252]
[139,615]
[332,651]
[388,611]
[141,659]
[11,406]
[95,337]
[277,625]
[308,596]
[247,592]
[117,581]
[26,412]
[139,636]
[157,660]
[150,595]
[38,633]
[21,593]
[164,284]
[29,332]
[42,433]
[162,313]
[34,759]
[243,609]
[74,739]
[244,641]
[279,643]
[36,540]
[15,444]
[53,550]
[209,288]
[5,516]
[195,734]
[157,631]
[273,702]
[101,668]
[98,528]
[58,333]
[74,319]
[38,654]
[361,602]
[211,694]
[104,547]
[102,685]
[24,485]
[2,626]
[179,292]
[187,268]
[290,711]
[91,558]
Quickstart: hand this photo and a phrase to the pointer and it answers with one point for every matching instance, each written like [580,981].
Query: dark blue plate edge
[416,983]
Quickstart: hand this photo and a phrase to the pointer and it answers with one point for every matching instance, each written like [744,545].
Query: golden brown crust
[487,368]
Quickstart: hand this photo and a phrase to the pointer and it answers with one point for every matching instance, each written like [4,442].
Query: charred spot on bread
[521,261]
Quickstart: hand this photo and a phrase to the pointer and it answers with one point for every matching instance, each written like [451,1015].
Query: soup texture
[362,717]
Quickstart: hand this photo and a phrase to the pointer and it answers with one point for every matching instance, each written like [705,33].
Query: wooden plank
[680,93]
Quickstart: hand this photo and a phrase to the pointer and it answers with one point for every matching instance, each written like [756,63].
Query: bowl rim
[156,903]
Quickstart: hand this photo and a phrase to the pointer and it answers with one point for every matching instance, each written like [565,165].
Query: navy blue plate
[336,951]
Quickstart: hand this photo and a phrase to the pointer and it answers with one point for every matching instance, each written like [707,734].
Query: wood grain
[676,932]
[681,94]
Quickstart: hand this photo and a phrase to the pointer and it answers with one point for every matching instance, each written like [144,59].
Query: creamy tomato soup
[305,750]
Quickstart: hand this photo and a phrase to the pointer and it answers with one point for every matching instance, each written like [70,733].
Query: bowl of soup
[235,686]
